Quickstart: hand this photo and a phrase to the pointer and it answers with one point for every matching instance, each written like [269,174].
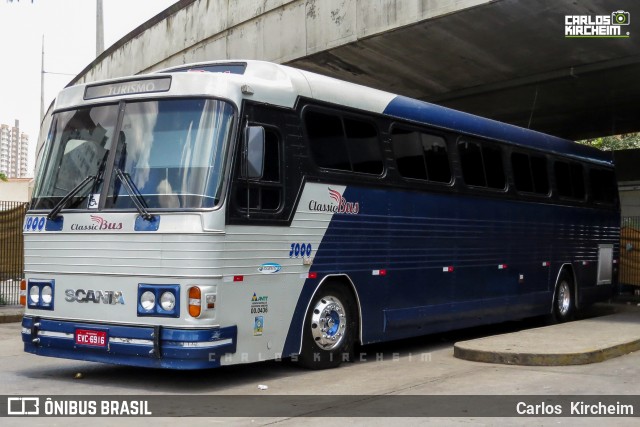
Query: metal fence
[11,251]
[630,251]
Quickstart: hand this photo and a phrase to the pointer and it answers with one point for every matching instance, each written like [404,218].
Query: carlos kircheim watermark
[268,404]
[614,25]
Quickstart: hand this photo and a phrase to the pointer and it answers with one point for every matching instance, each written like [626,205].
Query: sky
[69,29]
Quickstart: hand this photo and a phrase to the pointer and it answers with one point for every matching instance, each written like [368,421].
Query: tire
[564,306]
[330,328]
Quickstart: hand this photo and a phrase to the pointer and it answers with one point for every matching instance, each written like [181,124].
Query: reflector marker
[23,292]
[379,273]
[545,264]
[585,263]
[233,278]
[615,261]
[502,266]
[310,275]
[448,269]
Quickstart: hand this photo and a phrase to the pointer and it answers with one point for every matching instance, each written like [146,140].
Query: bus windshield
[171,150]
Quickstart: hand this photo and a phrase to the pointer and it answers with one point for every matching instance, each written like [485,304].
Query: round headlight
[47,294]
[167,301]
[148,300]
[34,294]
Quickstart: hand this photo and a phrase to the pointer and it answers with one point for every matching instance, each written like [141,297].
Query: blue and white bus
[236,211]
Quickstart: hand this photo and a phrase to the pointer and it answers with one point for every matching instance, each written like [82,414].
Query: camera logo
[620,18]
[23,406]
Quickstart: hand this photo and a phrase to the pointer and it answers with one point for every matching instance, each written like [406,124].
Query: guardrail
[11,251]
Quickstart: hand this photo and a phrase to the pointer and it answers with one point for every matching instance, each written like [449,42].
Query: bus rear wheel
[330,329]
[563,301]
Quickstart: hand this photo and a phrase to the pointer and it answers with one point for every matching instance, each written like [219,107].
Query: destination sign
[162,84]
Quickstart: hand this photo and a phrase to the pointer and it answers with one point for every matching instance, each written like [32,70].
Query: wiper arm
[63,202]
[134,193]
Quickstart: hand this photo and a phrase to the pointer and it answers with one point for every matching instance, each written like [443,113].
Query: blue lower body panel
[145,346]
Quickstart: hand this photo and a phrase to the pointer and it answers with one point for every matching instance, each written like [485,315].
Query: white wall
[16,190]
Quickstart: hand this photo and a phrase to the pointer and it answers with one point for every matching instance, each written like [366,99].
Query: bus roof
[352,95]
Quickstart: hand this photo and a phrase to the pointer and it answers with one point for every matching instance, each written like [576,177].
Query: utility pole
[99,29]
[42,83]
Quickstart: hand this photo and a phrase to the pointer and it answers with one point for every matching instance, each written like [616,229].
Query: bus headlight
[148,300]
[46,294]
[40,294]
[34,294]
[167,301]
[158,300]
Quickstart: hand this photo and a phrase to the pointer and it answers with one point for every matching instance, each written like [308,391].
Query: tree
[615,142]
[3,177]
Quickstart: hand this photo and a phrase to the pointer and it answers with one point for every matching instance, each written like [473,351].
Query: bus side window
[493,167]
[569,179]
[530,173]
[522,172]
[363,147]
[326,139]
[482,164]
[420,155]
[265,193]
[471,162]
[603,186]
[540,175]
[343,143]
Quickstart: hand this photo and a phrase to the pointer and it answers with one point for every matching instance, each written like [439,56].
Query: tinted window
[522,172]
[346,144]
[482,164]
[265,193]
[326,139]
[603,186]
[569,179]
[493,168]
[363,147]
[577,181]
[471,162]
[530,173]
[539,173]
[420,155]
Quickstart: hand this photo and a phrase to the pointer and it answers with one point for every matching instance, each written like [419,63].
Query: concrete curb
[575,343]
[11,314]
[548,359]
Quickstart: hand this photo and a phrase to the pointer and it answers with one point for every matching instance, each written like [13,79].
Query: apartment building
[14,148]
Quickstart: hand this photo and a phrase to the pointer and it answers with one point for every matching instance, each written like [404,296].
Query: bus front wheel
[330,328]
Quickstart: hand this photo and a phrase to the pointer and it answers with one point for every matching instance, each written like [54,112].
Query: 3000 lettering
[300,250]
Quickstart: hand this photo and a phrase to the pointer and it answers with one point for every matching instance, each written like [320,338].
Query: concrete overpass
[504,59]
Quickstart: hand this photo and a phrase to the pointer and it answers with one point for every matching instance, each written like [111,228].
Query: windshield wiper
[134,193]
[63,202]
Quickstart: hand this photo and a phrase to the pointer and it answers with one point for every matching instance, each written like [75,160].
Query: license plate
[91,338]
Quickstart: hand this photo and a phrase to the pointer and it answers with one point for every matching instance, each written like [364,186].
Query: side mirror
[253,159]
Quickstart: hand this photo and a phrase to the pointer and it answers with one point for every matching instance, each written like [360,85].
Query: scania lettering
[252,211]
[105,297]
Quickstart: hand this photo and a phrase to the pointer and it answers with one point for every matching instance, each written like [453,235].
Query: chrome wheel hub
[564,298]
[328,323]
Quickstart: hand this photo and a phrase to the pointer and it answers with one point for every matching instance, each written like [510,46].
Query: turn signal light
[195,304]
[23,292]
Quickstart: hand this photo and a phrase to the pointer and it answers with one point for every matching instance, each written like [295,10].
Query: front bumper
[145,346]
